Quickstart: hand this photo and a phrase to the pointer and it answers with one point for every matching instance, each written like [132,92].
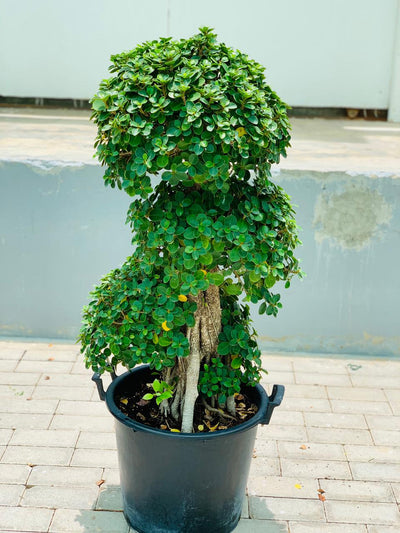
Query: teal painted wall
[61,230]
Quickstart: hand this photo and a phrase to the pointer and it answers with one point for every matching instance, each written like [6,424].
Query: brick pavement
[337,431]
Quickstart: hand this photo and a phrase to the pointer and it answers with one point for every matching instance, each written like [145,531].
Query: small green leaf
[148,396]
[98,105]
[223,348]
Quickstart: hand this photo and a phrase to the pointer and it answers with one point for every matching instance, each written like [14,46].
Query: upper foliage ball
[193,110]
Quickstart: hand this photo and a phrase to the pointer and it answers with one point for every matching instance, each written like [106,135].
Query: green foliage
[193,110]
[162,391]
[201,117]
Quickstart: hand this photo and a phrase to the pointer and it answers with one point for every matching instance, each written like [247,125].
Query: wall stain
[352,218]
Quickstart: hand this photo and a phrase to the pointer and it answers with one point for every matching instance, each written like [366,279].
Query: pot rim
[138,426]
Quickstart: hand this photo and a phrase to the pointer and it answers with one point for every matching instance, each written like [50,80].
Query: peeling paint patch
[351,218]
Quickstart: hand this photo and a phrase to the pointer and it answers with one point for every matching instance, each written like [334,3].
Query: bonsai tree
[190,129]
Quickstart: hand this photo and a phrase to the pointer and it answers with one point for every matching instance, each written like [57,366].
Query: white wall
[337,53]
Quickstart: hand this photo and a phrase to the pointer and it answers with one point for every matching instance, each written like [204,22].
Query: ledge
[61,137]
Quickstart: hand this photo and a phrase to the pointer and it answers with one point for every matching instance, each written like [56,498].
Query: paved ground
[67,136]
[328,463]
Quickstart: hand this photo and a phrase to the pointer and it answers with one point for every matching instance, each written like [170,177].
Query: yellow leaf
[164,326]
[204,271]
[241,131]
[182,298]
[298,486]
[124,401]
[200,427]
[176,430]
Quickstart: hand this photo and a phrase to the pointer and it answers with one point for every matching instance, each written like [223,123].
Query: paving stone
[360,406]
[280,363]
[67,355]
[110,499]
[15,391]
[290,418]
[260,526]
[376,382]
[396,491]
[383,529]
[309,527]
[339,435]
[94,458]
[375,471]
[5,436]
[105,441]
[63,475]
[10,473]
[45,437]
[11,351]
[265,466]
[359,393]
[52,367]
[374,454]
[282,487]
[79,368]
[309,378]
[305,391]
[265,448]
[335,420]
[276,377]
[24,405]
[389,423]
[307,404]
[278,432]
[111,476]
[63,380]
[395,407]
[393,395]
[315,469]
[19,378]
[25,420]
[25,519]
[312,450]
[37,455]
[286,509]
[320,365]
[386,438]
[374,368]
[83,423]
[71,407]
[7,365]
[362,512]
[85,521]
[10,495]
[67,393]
[60,497]
[357,491]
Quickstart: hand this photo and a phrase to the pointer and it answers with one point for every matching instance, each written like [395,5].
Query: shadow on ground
[106,516]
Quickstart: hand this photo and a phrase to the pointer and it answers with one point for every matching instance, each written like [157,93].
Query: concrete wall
[336,54]
[61,230]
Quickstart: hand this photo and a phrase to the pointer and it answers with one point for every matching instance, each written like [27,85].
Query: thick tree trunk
[203,342]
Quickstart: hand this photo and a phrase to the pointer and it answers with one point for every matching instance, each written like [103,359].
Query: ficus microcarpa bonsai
[190,128]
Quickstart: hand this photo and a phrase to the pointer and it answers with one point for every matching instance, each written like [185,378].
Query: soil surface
[205,420]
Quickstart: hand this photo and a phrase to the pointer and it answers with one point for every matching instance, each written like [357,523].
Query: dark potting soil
[147,412]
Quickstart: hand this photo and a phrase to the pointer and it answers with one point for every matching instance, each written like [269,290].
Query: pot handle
[99,383]
[273,401]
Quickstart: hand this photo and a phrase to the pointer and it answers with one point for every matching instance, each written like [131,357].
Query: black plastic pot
[181,482]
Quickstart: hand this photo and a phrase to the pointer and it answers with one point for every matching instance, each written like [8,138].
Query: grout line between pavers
[51,520]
